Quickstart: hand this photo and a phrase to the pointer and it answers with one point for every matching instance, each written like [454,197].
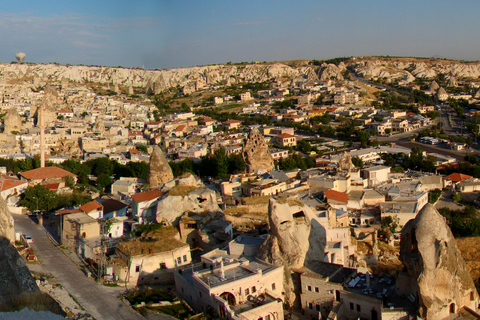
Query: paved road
[99,301]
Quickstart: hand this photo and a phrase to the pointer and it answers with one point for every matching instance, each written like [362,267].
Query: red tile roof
[7,182]
[92,205]
[67,211]
[336,195]
[146,196]
[52,186]
[46,173]
[457,177]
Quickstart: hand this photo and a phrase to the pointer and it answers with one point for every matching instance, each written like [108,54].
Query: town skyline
[160,34]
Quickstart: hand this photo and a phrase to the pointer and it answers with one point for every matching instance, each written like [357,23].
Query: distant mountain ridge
[196,78]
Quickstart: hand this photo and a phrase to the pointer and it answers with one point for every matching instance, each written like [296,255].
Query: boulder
[160,171]
[181,199]
[255,152]
[437,274]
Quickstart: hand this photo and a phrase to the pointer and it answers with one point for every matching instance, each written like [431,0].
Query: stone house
[46,175]
[234,287]
[286,140]
[151,262]
[76,229]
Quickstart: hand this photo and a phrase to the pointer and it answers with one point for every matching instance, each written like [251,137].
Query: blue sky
[180,33]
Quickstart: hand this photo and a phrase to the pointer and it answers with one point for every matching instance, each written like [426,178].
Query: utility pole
[104,243]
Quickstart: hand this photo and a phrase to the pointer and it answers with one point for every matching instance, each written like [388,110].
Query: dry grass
[291,202]
[256,200]
[181,190]
[160,240]
[470,250]
[239,211]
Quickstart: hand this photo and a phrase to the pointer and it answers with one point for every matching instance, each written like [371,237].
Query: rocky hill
[195,78]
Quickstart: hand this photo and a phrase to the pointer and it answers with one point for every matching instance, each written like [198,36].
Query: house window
[273,286]
[317,307]
[200,294]
[316,289]
[247,292]
[351,306]
[185,258]
[310,305]
[163,265]
[254,289]
[137,269]
[309,288]
[179,260]
[358,307]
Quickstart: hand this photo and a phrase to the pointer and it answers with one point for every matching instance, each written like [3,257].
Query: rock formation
[438,275]
[434,86]
[7,229]
[12,121]
[295,239]
[160,171]
[183,199]
[345,162]
[255,152]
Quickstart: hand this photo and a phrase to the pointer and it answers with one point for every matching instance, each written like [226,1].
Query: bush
[434,195]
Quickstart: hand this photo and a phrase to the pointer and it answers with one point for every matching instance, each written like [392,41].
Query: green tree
[220,160]
[38,196]
[103,182]
[357,162]
[364,137]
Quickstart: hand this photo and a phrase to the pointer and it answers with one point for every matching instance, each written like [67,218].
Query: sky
[160,34]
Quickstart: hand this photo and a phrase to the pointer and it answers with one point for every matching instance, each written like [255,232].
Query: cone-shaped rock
[437,274]
[255,152]
[160,171]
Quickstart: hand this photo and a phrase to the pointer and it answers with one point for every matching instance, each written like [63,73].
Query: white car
[28,238]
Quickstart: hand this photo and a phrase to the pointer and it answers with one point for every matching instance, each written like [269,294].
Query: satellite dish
[20,56]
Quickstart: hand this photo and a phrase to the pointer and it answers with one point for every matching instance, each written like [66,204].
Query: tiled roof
[67,211]
[92,205]
[146,196]
[7,182]
[46,173]
[52,186]
[336,195]
[456,177]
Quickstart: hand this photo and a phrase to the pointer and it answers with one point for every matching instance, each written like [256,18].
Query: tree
[220,161]
[39,197]
[364,137]
[357,162]
[103,181]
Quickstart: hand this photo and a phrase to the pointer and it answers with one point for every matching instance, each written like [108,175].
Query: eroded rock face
[441,281]
[345,162]
[171,208]
[12,121]
[160,171]
[255,152]
[7,229]
[295,239]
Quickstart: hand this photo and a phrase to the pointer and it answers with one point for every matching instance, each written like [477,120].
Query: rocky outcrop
[255,152]
[438,275]
[183,199]
[295,239]
[12,121]
[7,229]
[160,171]
[345,162]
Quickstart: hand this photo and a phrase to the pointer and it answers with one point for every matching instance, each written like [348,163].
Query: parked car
[28,238]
